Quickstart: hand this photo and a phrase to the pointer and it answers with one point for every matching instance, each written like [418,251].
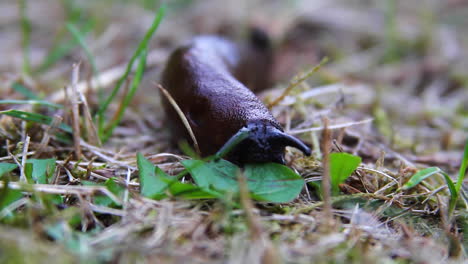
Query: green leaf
[221,174]
[8,196]
[273,182]
[112,185]
[151,182]
[420,176]
[267,182]
[6,167]
[342,165]
[42,169]
[155,183]
[37,118]
[189,191]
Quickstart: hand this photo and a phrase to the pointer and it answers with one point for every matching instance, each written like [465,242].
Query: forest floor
[79,101]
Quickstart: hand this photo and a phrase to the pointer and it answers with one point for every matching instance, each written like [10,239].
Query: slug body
[207,79]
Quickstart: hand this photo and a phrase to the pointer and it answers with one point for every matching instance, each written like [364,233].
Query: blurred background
[401,63]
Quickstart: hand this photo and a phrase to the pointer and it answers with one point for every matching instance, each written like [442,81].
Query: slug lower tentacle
[207,78]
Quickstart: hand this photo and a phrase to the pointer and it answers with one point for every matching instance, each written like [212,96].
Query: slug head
[260,142]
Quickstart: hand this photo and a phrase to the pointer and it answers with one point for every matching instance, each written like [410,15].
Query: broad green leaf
[267,182]
[156,184]
[420,176]
[6,167]
[37,118]
[342,165]
[8,196]
[152,185]
[273,182]
[221,174]
[41,170]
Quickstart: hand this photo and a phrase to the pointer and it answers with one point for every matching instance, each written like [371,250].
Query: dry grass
[394,93]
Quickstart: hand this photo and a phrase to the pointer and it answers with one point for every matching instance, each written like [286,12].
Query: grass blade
[37,118]
[142,46]
[60,50]
[420,176]
[18,87]
[463,166]
[79,38]
[128,97]
[32,102]
[26,37]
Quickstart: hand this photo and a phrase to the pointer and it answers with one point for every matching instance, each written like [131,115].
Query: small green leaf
[6,167]
[42,169]
[420,176]
[152,186]
[342,165]
[114,188]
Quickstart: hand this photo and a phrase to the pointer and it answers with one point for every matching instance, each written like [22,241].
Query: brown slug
[207,78]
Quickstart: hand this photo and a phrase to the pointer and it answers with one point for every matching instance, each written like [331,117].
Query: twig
[61,189]
[326,147]
[109,76]
[23,159]
[97,152]
[75,111]
[46,138]
[93,137]
[182,117]
[332,127]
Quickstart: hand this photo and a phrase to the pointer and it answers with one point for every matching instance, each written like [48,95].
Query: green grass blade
[80,39]
[18,87]
[141,47]
[128,97]
[32,102]
[420,176]
[59,50]
[26,37]
[463,166]
[37,118]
